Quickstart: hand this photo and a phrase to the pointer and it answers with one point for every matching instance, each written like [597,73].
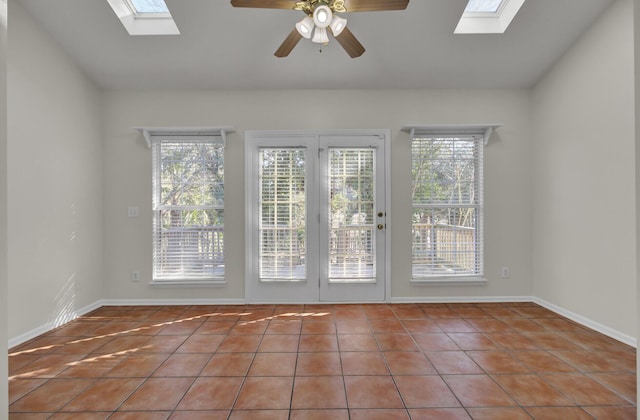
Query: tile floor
[374,361]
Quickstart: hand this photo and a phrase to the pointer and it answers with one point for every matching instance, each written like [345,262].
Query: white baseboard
[603,329]
[29,335]
[462,299]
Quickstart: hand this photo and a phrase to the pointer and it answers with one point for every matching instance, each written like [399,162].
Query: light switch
[133,211]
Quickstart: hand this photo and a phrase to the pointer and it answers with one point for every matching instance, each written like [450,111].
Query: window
[488,16]
[447,240]
[188,208]
[145,17]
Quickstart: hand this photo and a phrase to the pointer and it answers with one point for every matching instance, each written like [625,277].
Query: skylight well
[488,16]
[145,17]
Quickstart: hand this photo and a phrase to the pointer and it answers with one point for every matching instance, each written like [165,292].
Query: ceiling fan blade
[374,5]
[265,4]
[288,44]
[351,45]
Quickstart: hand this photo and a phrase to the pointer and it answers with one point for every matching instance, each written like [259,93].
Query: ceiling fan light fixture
[337,25]
[305,27]
[320,36]
[322,16]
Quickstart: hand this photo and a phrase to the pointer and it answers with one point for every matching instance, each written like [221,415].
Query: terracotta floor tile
[455,325]
[349,313]
[249,327]
[240,344]
[499,413]
[279,343]
[137,366]
[201,343]
[357,342]
[318,327]
[497,362]
[262,393]
[613,413]
[123,344]
[583,390]
[622,383]
[80,416]
[200,415]
[92,366]
[215,327]
[552,341]
[211,394]
[50,396]
[140,415]
[439,414]
[558,324]
[47,366]
[521,325]
[409,313]
[259,415]
[478,391]
[319,415]
[435,342]
[387,326]
[181,327]
[425,391]
[273,364]
[396,342]
[354,326]
[502,313]
[157,394]
[439,312]
[284,327]
[20,387]
[512,341]
[379,312]
[490,325]
[104,395]
[30,416]
[228,364]
[473,341]
[317,342]
[319,364]
[163,344]
[588,361]
[408,363]
[83,345]
[379,414]
[421,326]
[363,363]
[541,361]
[372,392]
[182,364]
[453,362]
[318,392]
[555,413]
[531,390]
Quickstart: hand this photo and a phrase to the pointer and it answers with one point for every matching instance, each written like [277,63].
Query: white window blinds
[188,207]
[447,207]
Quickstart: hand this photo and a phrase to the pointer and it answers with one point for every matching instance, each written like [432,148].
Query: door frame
[255,137]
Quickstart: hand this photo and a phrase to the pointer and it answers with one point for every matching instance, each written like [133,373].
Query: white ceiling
[222,47]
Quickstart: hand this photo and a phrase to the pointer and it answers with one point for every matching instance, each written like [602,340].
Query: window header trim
[148,132]
[429,129]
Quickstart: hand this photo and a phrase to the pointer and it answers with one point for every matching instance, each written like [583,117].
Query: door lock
[380,214]
[380,226]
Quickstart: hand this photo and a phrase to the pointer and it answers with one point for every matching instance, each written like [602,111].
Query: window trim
[485,131]
[143,23]
[150,134]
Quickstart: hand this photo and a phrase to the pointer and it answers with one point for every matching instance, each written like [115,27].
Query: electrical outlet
[505,272]
[135,275]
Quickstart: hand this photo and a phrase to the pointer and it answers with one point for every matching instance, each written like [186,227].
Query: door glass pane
[352,215]
[282,225]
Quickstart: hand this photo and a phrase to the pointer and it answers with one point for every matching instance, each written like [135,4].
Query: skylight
[488,16]
[149,6]
[144,17]
[483,6]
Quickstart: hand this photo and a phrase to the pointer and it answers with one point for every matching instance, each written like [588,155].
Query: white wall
[4,336]
[54,181]
[636,29]
[128,174]
[584,220]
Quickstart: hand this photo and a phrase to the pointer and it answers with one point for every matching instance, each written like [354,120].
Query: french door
[316,216]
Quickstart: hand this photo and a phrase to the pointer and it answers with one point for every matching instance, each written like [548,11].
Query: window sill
[189,283]
[442,281]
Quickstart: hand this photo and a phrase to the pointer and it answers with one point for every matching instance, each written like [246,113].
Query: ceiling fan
[321,18]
